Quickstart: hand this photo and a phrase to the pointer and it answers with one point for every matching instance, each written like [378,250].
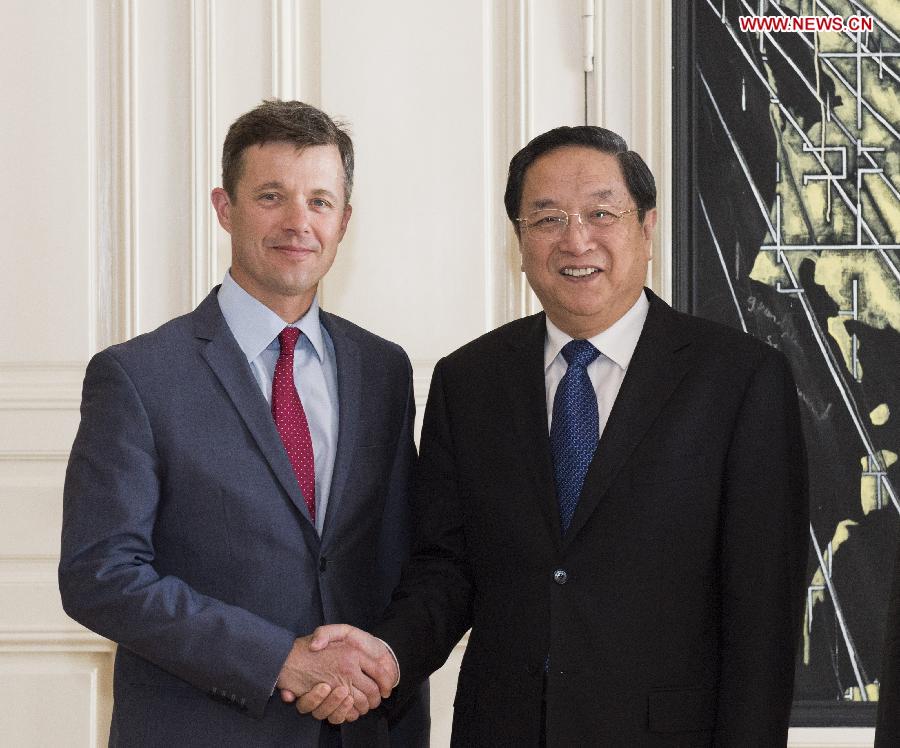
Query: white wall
[114,114]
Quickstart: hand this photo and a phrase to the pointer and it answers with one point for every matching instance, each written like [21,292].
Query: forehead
[574,173]
[280,161]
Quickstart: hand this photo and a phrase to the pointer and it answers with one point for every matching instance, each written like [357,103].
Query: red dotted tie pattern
[290,419]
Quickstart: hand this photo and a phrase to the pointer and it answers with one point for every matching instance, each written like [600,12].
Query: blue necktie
[574,430]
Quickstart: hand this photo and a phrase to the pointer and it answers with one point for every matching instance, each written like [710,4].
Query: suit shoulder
[370,343]
[728,344]
[162,341]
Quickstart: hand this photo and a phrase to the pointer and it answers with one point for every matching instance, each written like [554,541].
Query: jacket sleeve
[107,577]
[765,532]
[431,608]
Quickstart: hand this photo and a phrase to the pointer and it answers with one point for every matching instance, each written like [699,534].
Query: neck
[290,310]
[290,307]
[584,328]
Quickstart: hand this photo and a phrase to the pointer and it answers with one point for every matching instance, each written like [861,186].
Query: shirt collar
[255,326]
[617,342]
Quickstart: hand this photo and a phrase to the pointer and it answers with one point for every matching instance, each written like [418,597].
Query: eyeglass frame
[523,222]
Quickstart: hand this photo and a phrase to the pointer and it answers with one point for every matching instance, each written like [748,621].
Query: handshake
[337,673]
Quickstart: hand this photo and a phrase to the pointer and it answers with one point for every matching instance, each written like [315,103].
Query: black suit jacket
[670,610]
[887,732]
[186,538]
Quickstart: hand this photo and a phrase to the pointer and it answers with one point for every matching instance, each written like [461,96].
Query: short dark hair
[638,177]
[276,121]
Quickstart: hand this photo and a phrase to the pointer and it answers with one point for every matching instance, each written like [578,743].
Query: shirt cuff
[396,661]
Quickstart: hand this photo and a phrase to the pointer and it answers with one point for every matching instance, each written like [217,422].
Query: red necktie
[290,419]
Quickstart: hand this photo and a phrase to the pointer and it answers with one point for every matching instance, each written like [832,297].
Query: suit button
[560,576]
[323,563]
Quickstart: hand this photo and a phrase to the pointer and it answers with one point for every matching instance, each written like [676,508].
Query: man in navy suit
[611,495]
[241,474]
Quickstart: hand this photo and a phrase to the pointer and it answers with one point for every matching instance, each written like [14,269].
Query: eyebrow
[551,203]
[269,186]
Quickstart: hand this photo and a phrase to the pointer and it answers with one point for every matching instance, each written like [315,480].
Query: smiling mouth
[291,248]
[579,272]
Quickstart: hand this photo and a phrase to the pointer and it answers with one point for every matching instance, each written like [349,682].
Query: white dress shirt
[606,372]
[256,329]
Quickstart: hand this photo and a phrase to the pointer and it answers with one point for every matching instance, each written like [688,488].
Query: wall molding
[91,171]
[113,262]
[523,301]
[296,50]
[831,737]
[285,49]
[654,108]
[41,386]
[129,282]
[648,104]
[54,641]
[204,143]
[46,455]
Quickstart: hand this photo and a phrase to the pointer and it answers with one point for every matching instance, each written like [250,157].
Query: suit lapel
[524,385]
[230,366]
[660,361]
[350,405]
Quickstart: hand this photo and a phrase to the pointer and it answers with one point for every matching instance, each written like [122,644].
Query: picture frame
[786,224]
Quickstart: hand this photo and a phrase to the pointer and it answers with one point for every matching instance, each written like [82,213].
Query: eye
[320,202]
[599,214]
[547,219]
[268,197]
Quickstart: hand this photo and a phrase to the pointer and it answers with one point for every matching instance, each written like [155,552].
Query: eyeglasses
[552,222]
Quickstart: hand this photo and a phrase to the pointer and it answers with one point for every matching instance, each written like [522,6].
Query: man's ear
[222,203]
[649,223]
[345,220]
[647,231]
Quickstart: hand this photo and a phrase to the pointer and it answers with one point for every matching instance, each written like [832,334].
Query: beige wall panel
[161,131]
[31,519]
[412,266]
[37,432]
[29,600]
[45,75]
[54,699]
[31,473]
[242,77]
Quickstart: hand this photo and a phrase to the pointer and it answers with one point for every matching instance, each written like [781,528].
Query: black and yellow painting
[788,227]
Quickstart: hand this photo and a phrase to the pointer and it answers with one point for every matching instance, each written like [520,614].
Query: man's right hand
[339,674]
[334,702]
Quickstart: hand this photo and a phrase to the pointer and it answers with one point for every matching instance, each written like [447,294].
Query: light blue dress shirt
[256,329]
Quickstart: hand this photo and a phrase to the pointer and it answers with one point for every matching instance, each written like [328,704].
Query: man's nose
[577,236]
[296,217]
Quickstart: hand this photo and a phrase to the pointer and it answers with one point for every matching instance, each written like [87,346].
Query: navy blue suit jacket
[186,538]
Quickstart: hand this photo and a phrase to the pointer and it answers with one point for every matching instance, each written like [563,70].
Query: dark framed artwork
[787,225]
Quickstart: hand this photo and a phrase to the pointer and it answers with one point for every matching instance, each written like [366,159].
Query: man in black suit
[611,495]
[887,731]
